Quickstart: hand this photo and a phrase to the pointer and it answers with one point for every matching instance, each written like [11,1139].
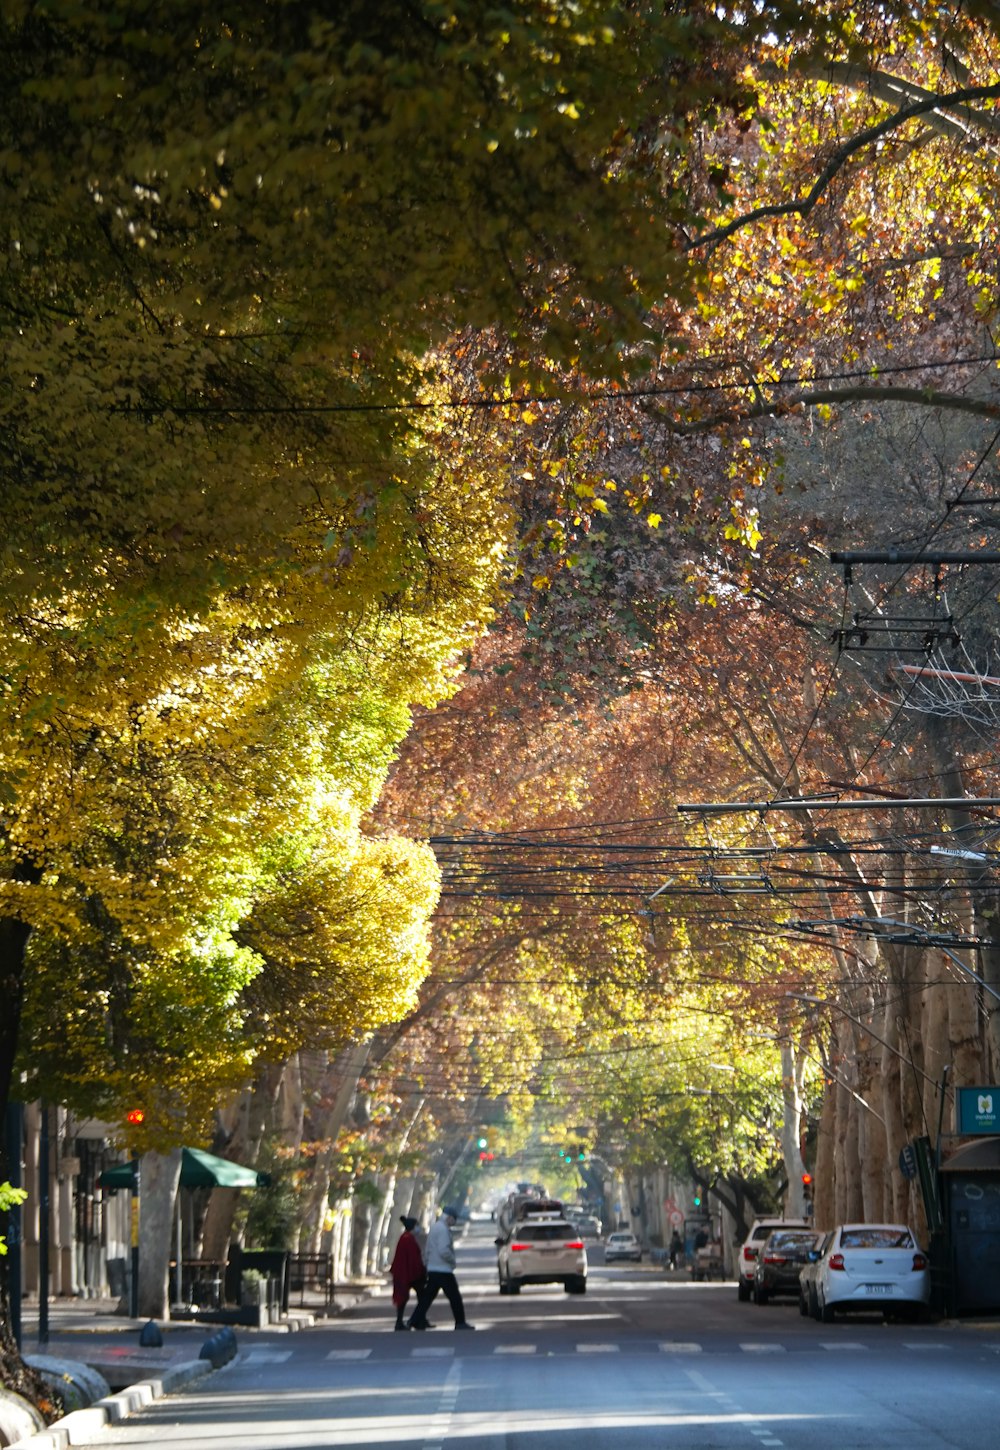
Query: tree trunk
[159,1177]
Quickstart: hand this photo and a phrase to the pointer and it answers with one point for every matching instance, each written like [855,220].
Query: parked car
[779,1262]
[542,1249]
[747,1256]
[869,1266]
[807,1277]
[622,1246]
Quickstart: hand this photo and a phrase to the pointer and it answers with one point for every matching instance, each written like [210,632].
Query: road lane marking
[440,1426]
[679,1347]
[349,1354]
[850,1344]
[266,1356]
[432,1351]
[516,1349]
[598,1349]
[758,1348]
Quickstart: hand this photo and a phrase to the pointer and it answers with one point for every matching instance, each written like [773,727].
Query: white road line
[848,1344]
[679,1347]
[349,1354]
[266,1356]
[598,1348]
[760,1348]
[516,1349]
[431,1352]
[440,1426]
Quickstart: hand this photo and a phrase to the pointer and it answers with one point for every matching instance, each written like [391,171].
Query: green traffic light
[480,1142]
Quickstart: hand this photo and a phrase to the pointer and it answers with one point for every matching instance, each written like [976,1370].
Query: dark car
[779,1262]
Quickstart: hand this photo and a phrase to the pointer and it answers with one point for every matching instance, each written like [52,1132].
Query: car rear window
[535,1233]
[876,1238]
[791,1237]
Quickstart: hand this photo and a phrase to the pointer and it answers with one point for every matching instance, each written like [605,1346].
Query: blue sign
[978,1110]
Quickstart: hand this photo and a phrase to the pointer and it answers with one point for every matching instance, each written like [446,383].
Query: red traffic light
[135,1116]
[807,1179]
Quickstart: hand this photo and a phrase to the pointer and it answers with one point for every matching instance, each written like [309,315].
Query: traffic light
[581,1155]
[135,1117]
[697,1200]
[807,1189]
[481,1143]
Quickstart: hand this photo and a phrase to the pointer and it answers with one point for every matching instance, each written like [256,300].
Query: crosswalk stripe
[598,1348]
[266,1356]
[349,1354]
[762,1348]
[432,1351]
[679,1347]
[849,1344]
[516,1349]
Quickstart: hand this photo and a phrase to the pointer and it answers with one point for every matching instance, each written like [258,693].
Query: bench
[312,1271]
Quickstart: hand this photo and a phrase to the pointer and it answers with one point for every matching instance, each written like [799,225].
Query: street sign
[908,1161]
[977,1110]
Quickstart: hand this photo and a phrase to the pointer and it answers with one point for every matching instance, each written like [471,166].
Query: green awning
[198,1170]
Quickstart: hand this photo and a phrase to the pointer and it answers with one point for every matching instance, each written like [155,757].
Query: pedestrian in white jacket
[439,1257]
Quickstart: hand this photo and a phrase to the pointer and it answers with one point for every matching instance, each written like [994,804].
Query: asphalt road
[646,1358]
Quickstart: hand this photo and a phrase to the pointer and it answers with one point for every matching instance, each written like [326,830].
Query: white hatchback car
[622,1246]
[872,1266]
[542,1249]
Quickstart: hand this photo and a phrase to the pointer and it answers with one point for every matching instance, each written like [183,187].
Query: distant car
[589,1226]
[542,1249]
[872,1266]
[779,1262]
[622,1246]
[747,1258]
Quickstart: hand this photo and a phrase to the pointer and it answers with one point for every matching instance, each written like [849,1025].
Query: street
[645,1358]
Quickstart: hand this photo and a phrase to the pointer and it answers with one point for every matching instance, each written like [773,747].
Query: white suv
[542,1249]
[747,1260]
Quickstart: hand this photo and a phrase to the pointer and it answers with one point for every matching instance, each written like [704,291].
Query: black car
[780,1261]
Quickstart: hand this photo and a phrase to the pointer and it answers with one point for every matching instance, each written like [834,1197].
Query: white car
[622,1246]
[542,1249]
[872,1266]
[746,1261]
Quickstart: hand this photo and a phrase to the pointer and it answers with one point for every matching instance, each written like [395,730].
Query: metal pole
[43,1227]
[134,1286]
[15,1236]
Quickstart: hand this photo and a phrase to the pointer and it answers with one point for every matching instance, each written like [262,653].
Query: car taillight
[576,1244]
[775,1259]
[836,1261]
[749,1253]
[919,1261]
[516,1248]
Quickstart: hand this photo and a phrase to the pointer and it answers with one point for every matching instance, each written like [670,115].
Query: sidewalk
[92,1333]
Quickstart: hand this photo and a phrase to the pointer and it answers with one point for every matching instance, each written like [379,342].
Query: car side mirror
[498,1242]
[813,1256]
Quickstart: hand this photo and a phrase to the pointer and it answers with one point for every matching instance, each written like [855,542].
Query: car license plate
[878,1288]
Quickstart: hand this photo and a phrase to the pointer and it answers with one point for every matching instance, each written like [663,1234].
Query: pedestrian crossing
[667,1347]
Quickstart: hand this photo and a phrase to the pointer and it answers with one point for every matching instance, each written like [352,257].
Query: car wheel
[760,1296]
[743,1291]
[813,1303]
[503,1284]
[803,1305]
[575,1285]
[826,1313]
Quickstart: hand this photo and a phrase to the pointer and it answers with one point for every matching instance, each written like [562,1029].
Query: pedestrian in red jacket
[407,1268]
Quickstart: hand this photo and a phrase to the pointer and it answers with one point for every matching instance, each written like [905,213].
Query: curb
[79,1426]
